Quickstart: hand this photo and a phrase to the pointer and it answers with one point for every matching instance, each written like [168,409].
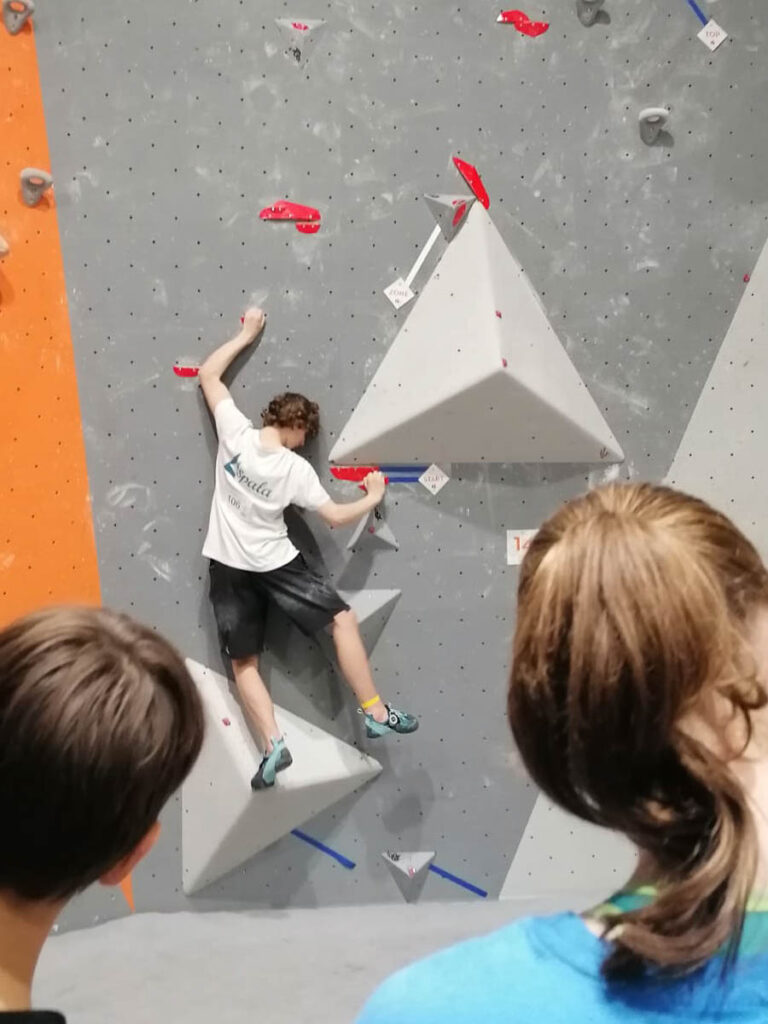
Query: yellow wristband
[371,702]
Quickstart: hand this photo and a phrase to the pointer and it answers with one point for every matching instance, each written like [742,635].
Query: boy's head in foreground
[295,417]
[100,723]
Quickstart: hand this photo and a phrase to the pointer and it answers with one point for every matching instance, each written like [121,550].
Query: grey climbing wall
[172,124]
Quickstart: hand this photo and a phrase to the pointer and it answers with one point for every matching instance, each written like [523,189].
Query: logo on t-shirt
[235,470]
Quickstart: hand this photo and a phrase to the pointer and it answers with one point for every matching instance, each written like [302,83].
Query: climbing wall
[171,127]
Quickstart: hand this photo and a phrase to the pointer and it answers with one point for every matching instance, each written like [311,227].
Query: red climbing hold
[461,209]
[308,229]
[523,23]
[226,721]
[504,363]
[472,177]
[353,473]
[284,209]
[186,371]
[747,279]
[498,313]
[300,26]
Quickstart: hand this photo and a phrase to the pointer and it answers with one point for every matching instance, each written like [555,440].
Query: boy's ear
[124,867]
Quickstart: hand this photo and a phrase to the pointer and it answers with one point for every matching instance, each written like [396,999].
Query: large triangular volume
[300,35]
[561,855]
[727,435]
[224,822]
[449,211]
[477,373]
[372,609]
[409,871]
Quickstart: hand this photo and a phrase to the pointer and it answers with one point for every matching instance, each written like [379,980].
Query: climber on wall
[252,561]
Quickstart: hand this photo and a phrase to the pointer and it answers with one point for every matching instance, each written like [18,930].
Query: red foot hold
[284,209]
[504,363]
[226,721]
[186,371]
[371,530]
[461,209]
[747,279]
[523,23]
[498,313]
[472,177]
[300,26]
[308,229]
[353,473]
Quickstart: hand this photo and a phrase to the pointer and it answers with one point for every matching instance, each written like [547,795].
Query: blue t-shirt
[546,970]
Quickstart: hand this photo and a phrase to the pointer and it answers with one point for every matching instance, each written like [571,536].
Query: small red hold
[284,209]
[308,229]
[226,721]
[461,209]
[747,279]
[504,363]
[186,371]
[371,530]
[300,26]
[471,175]
[523,23]
[498,313]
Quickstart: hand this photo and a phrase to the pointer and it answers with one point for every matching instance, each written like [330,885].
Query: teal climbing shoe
[277,760]
[397,721]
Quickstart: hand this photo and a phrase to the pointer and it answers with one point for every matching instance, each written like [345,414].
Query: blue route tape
[458,881]
[698,12]
[344,861]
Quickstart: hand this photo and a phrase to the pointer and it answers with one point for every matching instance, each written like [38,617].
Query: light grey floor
[314,965]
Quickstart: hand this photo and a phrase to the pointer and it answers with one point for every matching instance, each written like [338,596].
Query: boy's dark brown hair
[293,410]
[99,723]
[634,609]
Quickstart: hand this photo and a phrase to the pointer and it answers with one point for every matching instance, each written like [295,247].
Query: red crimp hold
[226,721]
[371,530]
[284,209]
[523,23]
[461,209]
[353,473]
[472,177]
[747,279]
[504,363]
[186,371]
[498,313]
[308,229]
[300,26]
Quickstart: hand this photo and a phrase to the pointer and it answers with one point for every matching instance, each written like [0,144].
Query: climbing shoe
[397,721]
[277,760]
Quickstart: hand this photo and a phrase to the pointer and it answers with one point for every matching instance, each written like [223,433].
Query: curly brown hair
[294,411]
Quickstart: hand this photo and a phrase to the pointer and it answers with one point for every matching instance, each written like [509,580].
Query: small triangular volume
[224,822]
[476,374]
[16,13]
[409,871]
[300,35]
[375,528]
[372,609]
[449,212]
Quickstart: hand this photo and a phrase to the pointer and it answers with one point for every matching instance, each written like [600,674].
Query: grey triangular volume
[300,35]
[450,212]
[373,609]
[409,871]
[363,526]
[16,13]
[372,527]
[476,373]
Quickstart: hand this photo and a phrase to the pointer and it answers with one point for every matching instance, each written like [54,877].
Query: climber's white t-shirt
[254,485]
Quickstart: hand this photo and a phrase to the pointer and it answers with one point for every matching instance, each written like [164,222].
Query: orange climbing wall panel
[47,546]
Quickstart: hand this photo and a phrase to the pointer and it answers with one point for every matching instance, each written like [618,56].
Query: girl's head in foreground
[634,694]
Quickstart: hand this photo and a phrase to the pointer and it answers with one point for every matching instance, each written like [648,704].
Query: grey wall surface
[172,124]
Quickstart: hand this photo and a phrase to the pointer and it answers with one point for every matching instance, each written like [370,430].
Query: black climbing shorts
[241,599]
